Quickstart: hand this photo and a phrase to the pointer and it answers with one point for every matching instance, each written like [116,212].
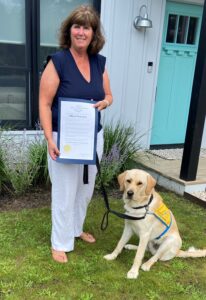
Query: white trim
[12,42]
[157,62]
[19,134]
[195,2]
[49,45]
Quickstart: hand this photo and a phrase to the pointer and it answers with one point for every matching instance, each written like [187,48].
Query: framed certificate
[77,131]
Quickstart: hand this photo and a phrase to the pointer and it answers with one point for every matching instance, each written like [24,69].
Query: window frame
[32,66]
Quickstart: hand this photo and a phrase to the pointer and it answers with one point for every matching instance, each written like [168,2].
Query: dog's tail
[192,252]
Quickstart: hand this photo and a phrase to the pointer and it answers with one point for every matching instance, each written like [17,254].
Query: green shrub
[121,144]
[4,180]
[31,170]
[37,157]
[17,171]
[25,164]
[21,177]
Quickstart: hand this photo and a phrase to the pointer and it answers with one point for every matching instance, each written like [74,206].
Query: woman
[78,71]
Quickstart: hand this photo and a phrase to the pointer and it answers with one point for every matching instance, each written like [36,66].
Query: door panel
[176,70]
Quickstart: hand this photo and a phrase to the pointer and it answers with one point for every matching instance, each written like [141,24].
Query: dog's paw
[132,274]
[130,247]
[110,256]
[145,267]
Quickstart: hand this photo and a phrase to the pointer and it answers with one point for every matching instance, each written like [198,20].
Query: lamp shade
[140,22]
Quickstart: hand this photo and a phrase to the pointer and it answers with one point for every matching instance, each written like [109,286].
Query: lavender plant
[125,137]
[121,144]
[111,164]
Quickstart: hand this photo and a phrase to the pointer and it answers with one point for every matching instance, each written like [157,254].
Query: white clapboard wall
[128,52]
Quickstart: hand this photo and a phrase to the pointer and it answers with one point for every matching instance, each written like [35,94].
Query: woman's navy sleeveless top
[73,84]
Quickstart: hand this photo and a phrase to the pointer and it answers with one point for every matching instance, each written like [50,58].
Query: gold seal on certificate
[67,148]
[77,131]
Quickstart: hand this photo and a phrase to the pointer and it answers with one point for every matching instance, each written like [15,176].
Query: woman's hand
[108,94]
[102,104]
[53,150]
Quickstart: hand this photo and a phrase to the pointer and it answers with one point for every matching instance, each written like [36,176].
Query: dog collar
[145,206]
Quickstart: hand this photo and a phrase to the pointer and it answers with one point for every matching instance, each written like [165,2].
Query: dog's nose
[130,193]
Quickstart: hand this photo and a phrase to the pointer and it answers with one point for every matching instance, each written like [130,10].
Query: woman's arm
[107,101]
[48,87]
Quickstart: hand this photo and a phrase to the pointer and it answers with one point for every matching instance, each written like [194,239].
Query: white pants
[70,198]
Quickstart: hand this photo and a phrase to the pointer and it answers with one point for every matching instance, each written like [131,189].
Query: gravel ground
[200,195]
[172,154]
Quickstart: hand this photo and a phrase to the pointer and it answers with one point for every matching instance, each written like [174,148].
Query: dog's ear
[151,182]
[121,179]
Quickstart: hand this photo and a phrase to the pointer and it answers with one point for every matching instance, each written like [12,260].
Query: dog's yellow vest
[163,214]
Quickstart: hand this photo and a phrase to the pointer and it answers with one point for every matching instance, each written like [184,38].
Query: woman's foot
[87,237]
[59,256]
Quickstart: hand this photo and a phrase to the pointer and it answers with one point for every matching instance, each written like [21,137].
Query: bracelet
[107,102]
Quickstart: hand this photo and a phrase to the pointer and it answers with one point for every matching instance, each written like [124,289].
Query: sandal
[59,256]
[87,237]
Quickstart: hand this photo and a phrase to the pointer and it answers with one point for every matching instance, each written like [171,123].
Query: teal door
[177,62]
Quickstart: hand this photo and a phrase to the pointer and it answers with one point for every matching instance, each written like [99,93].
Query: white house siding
[128,52]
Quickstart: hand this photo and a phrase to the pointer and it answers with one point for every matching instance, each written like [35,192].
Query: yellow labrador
[157,228]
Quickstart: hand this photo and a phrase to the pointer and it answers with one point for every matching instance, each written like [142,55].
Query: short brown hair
[83,15]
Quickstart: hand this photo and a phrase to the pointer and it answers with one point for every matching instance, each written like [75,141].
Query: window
[12,60]
[192,31]
[181,29]
[171,29]
[28,33]
[12,33]
[52,13]
[12,95]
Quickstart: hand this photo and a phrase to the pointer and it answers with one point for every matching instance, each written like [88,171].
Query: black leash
[104,223]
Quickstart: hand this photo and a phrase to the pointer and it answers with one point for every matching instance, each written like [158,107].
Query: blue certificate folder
[70,135]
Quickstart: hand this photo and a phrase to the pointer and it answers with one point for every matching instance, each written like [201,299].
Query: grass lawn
[28,272]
